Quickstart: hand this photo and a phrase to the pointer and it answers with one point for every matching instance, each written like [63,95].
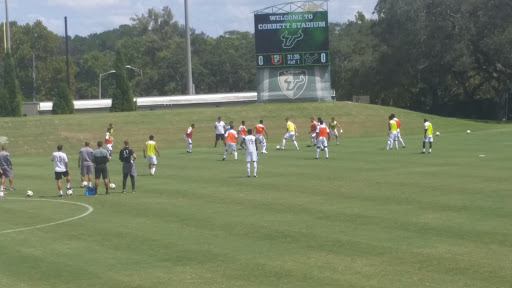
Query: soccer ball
[30,193]
[1,194]
[437,133]
[84,184]
[468,131]
[278,147]
[69,192]
[112,186]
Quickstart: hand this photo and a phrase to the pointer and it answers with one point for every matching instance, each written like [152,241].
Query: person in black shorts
[100,157]
[220,130]
[127,156]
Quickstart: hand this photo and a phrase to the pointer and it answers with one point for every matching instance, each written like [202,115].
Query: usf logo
[290,40]
[293,82]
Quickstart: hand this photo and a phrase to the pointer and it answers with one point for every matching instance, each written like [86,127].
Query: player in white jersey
[60,165]
[250,153]
[220,130]
[332,130]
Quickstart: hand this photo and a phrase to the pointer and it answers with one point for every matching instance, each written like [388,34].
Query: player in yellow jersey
[291,132]
[429,135]
[332,130]
[150,151]
[392,133]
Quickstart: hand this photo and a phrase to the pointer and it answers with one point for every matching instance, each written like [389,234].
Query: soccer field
[365,217]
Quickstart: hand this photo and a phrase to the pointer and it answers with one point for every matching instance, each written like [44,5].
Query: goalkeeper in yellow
[429,136]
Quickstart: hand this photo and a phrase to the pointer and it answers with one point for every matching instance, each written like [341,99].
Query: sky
[212,17]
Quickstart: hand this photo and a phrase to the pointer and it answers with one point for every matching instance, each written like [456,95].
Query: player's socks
[248,169]
[90,184]
[154,170]
[60,193]
[296,145]
[68,185]
[326,152]
[255,168]
[2,188]
[317,151]
[236,155]
[106,191]
[284,142]
[225,154]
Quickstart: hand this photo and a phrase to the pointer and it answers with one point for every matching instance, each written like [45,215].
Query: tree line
[447,57]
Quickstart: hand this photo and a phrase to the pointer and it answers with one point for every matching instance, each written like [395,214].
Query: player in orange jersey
[242,131]
[312,132]
[231,139]
[260,138]
[188,137]
[322,133]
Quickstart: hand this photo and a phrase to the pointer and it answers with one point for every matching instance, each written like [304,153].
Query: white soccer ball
[437,133]
[112,186]
[30,193]
[69,192]
[278,147]
[1,194]
[468,131]
[84,184]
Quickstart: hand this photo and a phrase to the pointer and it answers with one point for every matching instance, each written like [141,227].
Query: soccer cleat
[107,193]
[60,195]
[124,191]
[403,146]
[316,158]
[264,152]
[309,146]
[422,152]
[223,159]
[12,189]
[133,191]
[249,176]
[255,176]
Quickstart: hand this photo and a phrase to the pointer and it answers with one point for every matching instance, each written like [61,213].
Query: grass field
[365,217]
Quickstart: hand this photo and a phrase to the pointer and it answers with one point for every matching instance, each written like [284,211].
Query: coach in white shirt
[60,165]
[220,130]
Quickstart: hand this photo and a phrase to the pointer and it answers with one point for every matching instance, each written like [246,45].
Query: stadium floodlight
[7,29]
[135,69]
[111,71]
[190,86]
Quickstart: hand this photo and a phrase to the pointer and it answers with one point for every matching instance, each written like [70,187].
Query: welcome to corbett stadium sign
[292,39]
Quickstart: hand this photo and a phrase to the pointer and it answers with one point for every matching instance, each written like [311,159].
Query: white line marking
[89,211]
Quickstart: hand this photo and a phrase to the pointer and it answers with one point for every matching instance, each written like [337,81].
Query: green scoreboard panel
[292,39]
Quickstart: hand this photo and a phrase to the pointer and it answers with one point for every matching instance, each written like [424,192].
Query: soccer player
[241,134]
[188,137]
[127,156]
[312,132]
[220,130]
[250,153]
[398,137]
[291,132]
[5,168]
[109,141]
[85,164]
[322,132]
[260,139]
[333,132]
[100,158]
[428,137]
[231,141]
[150,151]
[60,165]
[392,133]
[111,126]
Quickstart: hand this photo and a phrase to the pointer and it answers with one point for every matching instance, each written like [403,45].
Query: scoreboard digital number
[293,59]
[292,39]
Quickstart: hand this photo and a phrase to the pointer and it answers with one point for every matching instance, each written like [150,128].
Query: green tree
[122,101]
[62,103]
[11,88]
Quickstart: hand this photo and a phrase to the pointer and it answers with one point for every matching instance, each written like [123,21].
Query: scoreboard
[292,39]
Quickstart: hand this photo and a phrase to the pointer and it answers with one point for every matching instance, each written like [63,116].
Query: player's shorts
[321,142]
[108,147]
[241,137]
[85,170]
[392,136]
[260,139]
[398,134]
[428,138]
[100,171]
[129,168]
[290,135]
[251,156]
[188,140]
[6,172]
[151,159]
[313,134]
[230,146]
[219,137]
[60,175]
[333,133]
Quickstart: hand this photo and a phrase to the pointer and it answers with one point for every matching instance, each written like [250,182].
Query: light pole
[135,69]
[111,71]
[7,30]
[190,88]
